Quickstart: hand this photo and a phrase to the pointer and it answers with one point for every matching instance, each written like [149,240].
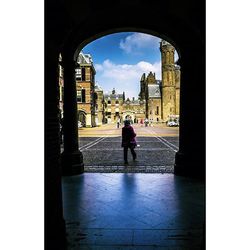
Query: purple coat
[128,136]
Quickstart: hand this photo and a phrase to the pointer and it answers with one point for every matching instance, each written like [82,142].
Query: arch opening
[107,106]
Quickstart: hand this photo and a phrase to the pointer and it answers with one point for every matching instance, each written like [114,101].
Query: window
[79,96]
[109,102]
[78,74]
[157,110]
[116,102]
[83,95]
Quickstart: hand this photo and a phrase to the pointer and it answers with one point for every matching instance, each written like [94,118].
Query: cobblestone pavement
[102,151]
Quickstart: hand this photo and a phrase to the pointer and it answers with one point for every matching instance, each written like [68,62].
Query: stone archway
[191,60]
[128,115]
[82,117]
[68,30]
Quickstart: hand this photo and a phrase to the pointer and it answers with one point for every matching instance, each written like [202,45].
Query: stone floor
[133,211]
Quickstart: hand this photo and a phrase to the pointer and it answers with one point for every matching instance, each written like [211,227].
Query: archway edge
[120,30]
[180,33]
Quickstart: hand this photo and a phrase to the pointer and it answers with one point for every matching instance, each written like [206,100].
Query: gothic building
[158,99]
[162,98]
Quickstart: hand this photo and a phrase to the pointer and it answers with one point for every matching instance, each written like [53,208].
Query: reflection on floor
[133,211]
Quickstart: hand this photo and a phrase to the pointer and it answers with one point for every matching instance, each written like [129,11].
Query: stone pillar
[190,159]
[55,232]
[72,160]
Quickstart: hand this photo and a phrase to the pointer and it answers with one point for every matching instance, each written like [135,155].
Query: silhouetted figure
[128,140]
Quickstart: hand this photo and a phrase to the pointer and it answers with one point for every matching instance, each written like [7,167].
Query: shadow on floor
[133,211]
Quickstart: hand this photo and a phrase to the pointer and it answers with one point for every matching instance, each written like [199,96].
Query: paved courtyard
[102,151]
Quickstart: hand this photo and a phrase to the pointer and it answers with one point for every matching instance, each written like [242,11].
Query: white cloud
[137,41]
[124,77]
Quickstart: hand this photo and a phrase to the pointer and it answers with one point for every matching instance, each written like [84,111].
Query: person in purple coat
[128,140]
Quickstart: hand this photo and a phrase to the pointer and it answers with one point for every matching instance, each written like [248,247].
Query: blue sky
[120,59]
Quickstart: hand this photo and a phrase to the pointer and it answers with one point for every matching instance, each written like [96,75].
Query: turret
[151,78]
[168,80]
[167,53]
[143,86]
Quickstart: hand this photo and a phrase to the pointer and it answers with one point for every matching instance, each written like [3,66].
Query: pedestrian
[151,122]
[128,141]
[141,122]
[118,122]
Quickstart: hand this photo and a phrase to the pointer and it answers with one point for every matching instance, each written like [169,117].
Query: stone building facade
[151,95]
[85,85]
[134,110]
[116,107]
[170,82]
[162,98]
[99,97]
[113,106]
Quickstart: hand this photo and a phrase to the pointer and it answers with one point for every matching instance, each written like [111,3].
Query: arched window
[109,102]
[116,102]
